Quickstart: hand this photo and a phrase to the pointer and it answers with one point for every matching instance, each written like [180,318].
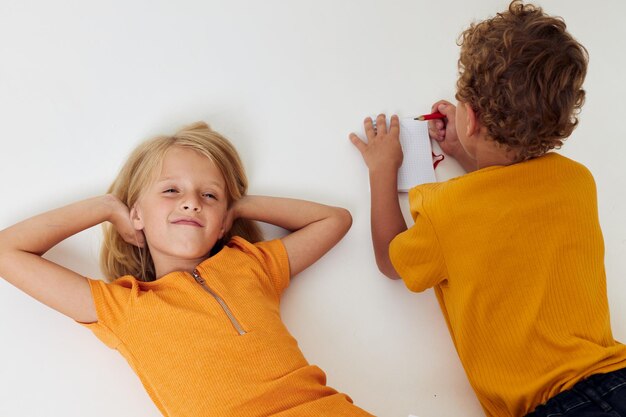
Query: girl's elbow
[340,221]
[4,251]
[6,262]
[345,219]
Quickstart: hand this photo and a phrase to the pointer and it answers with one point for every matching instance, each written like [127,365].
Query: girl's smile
[187,221]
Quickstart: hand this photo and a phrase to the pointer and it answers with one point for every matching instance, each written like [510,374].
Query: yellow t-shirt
[516,257]
[198,356]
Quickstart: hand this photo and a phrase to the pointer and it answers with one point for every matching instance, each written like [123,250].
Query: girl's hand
[120,219]
[382,150]
[233,213]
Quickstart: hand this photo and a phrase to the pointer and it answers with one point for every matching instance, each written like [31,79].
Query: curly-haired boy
[514,248]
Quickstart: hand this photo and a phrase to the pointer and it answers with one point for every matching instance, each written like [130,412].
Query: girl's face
[182,212]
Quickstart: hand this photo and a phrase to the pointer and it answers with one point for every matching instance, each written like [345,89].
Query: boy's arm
[22,247]
[383,156]
[315,228]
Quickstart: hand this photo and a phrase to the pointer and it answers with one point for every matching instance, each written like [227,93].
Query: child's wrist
[384,171]
[238,209]
[113,207]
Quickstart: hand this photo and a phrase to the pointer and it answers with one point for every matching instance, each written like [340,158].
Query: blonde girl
[193,298]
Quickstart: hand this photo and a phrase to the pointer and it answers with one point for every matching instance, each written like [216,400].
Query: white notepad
[417,164]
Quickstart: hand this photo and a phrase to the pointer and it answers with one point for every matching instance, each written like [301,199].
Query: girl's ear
[227,223]
[136,218]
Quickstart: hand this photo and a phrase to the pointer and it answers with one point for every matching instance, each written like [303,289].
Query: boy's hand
[382,150]
[444,130]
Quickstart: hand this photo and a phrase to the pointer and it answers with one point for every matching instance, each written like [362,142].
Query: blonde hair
[119,258]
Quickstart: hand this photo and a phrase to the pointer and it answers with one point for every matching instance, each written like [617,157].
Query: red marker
[435,115]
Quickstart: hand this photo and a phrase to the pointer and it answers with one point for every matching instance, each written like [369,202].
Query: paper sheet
[417,164]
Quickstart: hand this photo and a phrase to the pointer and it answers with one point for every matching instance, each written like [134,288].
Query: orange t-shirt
[516,257]
[222,350]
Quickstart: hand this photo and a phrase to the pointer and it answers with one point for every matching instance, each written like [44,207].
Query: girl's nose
[191,204]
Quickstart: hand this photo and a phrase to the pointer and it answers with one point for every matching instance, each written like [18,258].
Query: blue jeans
[601,395]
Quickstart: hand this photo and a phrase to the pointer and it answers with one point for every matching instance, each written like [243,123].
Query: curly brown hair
[522,73]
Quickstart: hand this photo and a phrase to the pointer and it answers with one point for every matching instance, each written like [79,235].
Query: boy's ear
[472,123]
[135,218]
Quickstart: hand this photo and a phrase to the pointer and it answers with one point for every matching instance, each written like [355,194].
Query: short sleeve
[272,257]
[416,253]
[276,263]
[112,302]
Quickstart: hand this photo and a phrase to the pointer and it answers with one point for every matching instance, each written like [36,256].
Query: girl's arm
[315,228]
[22,247]
[383,156]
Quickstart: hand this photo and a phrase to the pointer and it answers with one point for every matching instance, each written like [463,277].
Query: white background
[81,83]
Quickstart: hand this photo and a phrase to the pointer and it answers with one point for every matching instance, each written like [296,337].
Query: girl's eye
[210,195]
[169,190]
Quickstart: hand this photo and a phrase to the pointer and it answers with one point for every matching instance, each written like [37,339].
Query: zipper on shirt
[221,302]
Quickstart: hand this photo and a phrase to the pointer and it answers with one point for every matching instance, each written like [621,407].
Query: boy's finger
[432,125]
[370,132]
[446,109]
[433,133]
[394,126]
[436,105]
[381,124]
[360,145]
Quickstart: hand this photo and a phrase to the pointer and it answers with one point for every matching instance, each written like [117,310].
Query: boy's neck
[490,153]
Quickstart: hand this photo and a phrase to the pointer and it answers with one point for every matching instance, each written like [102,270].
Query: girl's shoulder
[261,248]
[268,256]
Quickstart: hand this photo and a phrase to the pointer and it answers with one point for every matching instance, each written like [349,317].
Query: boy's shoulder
[562,167]
[549,166]
[557,158]
[548,170]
